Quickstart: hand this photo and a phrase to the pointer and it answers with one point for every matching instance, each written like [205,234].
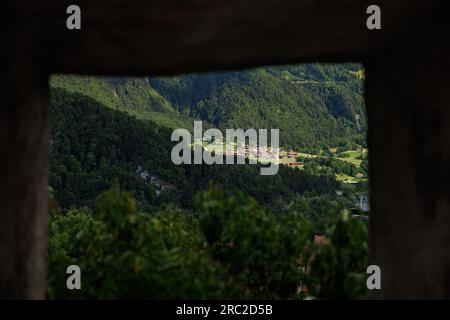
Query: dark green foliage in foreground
[337,267]
[256,247]
[231,248]
[127,254]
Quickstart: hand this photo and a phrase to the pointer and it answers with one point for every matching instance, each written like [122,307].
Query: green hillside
[132,95]
[93,146]
[313,105]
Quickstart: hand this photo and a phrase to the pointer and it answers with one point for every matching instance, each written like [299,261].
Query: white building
[364,203]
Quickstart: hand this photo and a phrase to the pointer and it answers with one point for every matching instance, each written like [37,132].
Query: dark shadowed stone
[408,77]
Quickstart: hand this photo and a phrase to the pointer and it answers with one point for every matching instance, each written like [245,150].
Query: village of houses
[262,154]
[284,157]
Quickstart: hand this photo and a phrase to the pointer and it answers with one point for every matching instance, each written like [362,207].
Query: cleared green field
[352,155]
[307,155]
[349,179]
[348,156]
[287,160]
[346,178]
[356,162]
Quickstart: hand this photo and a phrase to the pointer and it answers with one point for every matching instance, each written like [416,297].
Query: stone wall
[407,70]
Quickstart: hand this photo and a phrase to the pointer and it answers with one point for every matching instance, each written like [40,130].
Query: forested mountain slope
[313,105]
[132,95]
[92,146]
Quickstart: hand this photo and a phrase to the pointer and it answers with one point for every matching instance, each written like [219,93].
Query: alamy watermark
[73,282]
[211,148]
[73,21]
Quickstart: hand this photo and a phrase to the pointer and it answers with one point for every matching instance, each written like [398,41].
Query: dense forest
[93,146]
[141,227]
[312,105]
